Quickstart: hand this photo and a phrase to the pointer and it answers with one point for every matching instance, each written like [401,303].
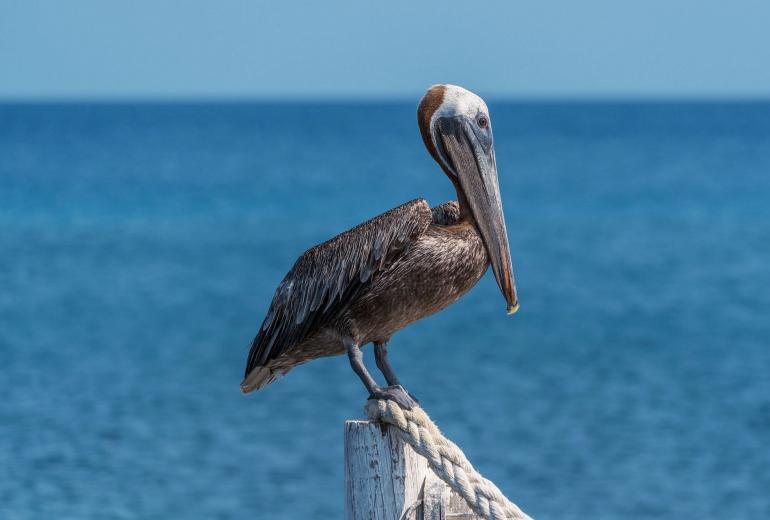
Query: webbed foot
[396,393]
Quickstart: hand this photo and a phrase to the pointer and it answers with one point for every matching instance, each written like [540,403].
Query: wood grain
[386,480]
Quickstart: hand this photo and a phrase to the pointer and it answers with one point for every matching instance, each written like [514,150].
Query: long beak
[470,156]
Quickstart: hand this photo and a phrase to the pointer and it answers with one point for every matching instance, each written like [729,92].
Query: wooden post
[386,480]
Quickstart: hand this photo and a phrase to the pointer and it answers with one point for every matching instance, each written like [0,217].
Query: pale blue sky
[394,48]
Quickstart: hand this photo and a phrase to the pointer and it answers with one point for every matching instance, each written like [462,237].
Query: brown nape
[425,110]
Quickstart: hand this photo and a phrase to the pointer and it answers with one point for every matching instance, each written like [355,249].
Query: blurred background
[162,165]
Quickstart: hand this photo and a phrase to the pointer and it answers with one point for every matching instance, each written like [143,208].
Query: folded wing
[326,278]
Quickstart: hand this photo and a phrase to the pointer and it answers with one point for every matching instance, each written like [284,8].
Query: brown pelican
[367,283]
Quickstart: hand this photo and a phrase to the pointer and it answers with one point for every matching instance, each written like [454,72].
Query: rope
[415,428]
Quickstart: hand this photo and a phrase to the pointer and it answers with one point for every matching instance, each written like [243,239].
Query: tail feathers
[260,377]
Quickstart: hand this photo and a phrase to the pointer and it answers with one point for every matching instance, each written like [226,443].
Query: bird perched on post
[367,283]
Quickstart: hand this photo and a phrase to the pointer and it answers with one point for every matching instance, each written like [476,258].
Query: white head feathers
[458,101]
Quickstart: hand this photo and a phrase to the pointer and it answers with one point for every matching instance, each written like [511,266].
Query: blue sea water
[140,246]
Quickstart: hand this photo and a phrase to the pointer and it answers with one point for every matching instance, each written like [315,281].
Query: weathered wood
[383,476]
[386,480]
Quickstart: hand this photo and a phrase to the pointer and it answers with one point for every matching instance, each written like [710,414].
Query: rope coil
[415,428]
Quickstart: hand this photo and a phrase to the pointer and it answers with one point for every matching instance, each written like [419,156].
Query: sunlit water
[140,246]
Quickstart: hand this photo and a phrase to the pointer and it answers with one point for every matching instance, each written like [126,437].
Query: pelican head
[457,131]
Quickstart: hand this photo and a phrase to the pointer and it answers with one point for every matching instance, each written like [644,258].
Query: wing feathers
[326,277]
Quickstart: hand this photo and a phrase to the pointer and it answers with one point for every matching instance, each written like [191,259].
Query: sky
[359,49]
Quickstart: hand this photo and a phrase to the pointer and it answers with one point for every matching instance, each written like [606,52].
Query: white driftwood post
[386,480]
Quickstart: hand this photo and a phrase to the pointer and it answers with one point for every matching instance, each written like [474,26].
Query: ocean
[140,245]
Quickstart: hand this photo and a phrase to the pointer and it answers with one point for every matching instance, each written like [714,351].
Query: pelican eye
[482,121]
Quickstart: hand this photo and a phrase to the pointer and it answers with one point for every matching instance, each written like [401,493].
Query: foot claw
[396,393]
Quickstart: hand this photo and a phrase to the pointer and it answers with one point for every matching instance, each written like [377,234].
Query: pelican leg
[383,363]
[381,356]
[394,393]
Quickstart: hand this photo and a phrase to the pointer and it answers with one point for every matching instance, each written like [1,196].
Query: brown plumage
[369,282]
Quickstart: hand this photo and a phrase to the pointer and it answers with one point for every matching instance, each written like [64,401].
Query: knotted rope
[415,428]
